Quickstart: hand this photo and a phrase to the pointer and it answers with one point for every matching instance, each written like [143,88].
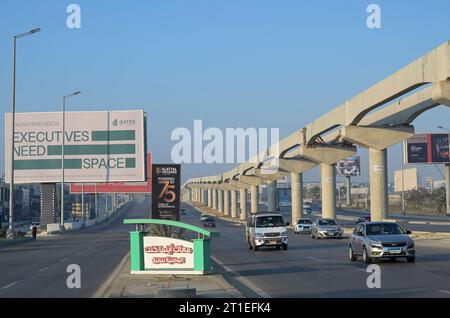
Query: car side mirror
[408,232]
[360,233]
[288,223]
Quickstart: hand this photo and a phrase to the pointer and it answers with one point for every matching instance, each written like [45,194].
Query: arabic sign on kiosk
[165,252]
[162,255]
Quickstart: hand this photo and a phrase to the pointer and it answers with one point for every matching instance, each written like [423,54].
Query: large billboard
[104,146]
[166,191]
[427,148]
[349,167]
[117,187]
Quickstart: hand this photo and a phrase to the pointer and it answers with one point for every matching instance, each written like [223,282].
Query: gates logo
[123,122]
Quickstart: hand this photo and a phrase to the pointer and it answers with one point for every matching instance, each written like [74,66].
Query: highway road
[320,268]
[38,269]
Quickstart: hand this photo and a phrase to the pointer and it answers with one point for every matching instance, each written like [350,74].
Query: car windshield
[304,222]
[209,220]
[384,229]
[327,222]
[269,221]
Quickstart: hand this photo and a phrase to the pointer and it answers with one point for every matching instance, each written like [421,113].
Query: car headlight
[285,233]
[411,244]
[376,244]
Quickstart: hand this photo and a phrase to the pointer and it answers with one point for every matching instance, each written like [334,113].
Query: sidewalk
[121,284]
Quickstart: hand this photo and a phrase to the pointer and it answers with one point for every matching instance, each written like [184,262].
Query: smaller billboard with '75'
[166,191]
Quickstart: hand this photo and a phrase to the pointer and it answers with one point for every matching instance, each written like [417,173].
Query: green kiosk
[166,255]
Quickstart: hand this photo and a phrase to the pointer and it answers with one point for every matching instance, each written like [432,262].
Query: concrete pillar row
[243,198]
[379,201]
[220,200]
[272,204]
[226,202]
[296,196]
[234,212]
[254,198]
[328,180]
[214,199]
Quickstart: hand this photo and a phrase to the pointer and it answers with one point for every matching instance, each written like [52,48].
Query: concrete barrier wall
[73,226]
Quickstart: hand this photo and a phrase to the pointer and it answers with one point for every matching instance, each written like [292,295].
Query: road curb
[105,289]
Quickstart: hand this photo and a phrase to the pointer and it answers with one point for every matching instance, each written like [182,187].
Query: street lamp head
[442,127]
[77,93]
[35,30]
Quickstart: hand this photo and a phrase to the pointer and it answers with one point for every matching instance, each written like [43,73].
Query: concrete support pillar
[447,185]
[226,202]
[202,196]
[254,198]
[209,198]
[272,204]
[328,180]
[296,197]
[214,199]
[348,187]
[233,204]
[379,201]
[243,197]
[220,200]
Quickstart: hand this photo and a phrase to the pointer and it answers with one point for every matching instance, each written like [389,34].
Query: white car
[303,226]
[267,230]
[203,217]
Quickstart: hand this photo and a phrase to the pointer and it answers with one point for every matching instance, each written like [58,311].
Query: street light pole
[63,152]
[10,232]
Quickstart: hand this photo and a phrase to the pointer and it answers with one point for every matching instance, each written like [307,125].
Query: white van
[266,229]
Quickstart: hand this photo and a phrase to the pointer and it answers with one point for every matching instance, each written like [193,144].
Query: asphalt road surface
[320,268]
[38,269]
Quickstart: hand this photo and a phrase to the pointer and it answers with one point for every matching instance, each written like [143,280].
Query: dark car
[209,222]
[182,211]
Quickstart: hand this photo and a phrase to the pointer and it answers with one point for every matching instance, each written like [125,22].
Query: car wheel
[351,255]
[285,247]
[277,247]
[366,258]
[411,259]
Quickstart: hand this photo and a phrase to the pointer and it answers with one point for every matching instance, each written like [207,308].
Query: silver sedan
[377,240]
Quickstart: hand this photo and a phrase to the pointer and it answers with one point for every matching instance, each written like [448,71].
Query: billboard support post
[348,186]
[447,185]
[82,202]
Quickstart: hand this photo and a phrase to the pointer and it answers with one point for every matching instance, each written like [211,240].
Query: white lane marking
[64,260]
[316,259]
[243,280]
[43,269]
[10,285]
[444,291]
[361,269]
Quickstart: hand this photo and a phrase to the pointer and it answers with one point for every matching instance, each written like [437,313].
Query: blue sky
[230,63]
